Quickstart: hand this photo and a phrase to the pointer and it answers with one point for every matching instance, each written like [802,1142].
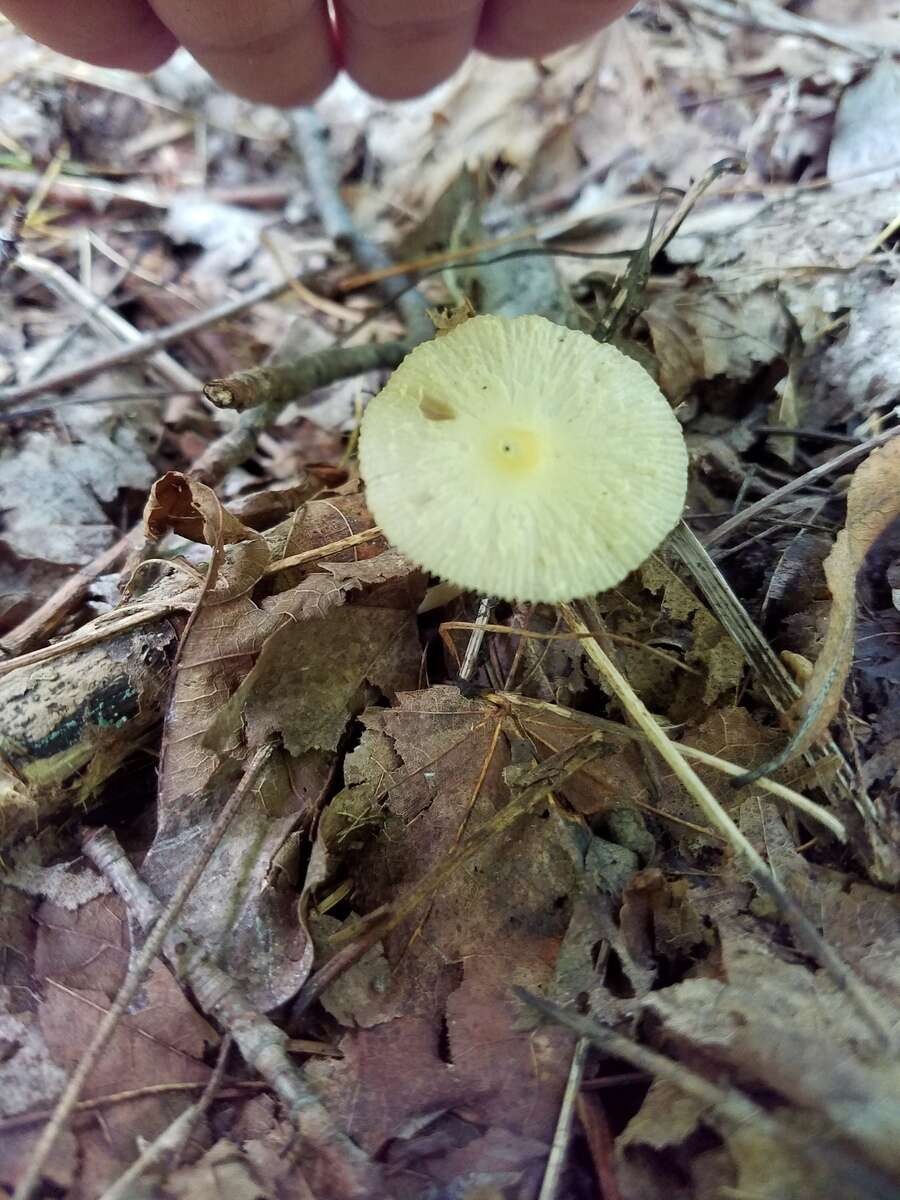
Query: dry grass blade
[867,1007]
[789,795]
[725,530]
[729,1106]
[105,318]
[65,1105]
[347,543]
[782,690]
[143,346]
[563,1132]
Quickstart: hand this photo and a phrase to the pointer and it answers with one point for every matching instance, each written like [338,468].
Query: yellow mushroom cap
[523,460]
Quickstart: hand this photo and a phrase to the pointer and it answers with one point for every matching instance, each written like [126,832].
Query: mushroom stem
[760,874]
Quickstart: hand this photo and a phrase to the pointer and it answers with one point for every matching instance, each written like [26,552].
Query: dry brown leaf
[709,333]
[80,962]
[217,716]
[514,1079]
[425,773]
[192,510]
[713,649]
[58,489]
[310,676]
[859,921]
[477,115]
[671,1137]
[387,1076]
[873,503]
[223,1173]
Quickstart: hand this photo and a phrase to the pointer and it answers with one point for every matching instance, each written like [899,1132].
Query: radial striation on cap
[523,460]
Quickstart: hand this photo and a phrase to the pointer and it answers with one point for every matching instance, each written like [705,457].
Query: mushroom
[523,460]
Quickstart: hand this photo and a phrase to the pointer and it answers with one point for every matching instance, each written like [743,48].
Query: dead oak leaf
[308,680]
[772,1023]
[515,1077]
[671,1133]
[859,921]
[385,1077]
[223,1173]
[160,1041]
[708,333]
[427,773]
[873,503]
[192,510]
[712,648]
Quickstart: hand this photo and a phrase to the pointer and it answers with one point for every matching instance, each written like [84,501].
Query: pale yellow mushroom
[523,460]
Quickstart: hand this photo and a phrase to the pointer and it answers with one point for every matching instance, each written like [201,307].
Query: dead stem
[725,530]
[764,15]
[155,1154]
[317,552]
[782,791]
[563,1132]
[36,1116]
[144,346]
[278,384]
[592,1115]
[104,317]
[813,942]
[728,1106]
[262,1044]
[133,980]
[310,140]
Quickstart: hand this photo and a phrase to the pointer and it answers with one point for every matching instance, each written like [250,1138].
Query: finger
[534,28]
[401,48]
[109,33]
[273,51]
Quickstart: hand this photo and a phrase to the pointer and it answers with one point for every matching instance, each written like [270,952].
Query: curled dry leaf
[192,510]
[873,503]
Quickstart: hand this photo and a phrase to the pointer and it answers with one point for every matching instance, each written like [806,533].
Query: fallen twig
[309,137]
[154,1154]
[105,318]
[235,1088]
[279,383]
[853,1176]
[133,980]
[145,345]
[262,1044]
[46,619]
[725,530]
[562,1134]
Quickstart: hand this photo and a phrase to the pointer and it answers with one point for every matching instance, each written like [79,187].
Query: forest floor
[437,921]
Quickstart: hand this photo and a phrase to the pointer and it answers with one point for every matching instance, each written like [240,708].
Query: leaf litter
[415,842]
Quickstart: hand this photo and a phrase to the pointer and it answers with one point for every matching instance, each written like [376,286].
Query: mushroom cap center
[514,451]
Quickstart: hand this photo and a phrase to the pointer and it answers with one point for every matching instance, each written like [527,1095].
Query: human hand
[285,52]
